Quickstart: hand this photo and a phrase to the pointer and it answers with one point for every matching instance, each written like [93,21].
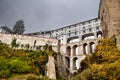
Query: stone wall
[109,14]
[51,71]
[22,39]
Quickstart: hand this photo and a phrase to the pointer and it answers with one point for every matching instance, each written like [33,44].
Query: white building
[77,32]
[5,30]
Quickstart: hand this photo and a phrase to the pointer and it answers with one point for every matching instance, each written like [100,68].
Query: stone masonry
[51,72]
[109,13]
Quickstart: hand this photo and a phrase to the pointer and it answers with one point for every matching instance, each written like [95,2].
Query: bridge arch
[88,36]
[99,34]
[73,39]
[92,47]
[67,62]
[75,50]
[68,51]
[75,63]
[85,48]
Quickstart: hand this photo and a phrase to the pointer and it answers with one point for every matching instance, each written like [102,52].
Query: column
[83,49]
[71,60]
[80,50]
[95,34]
[88,48]
[64,60]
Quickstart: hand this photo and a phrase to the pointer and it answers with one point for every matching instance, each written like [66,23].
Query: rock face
[60,67]
[51,72]
[109,13]
[55,68]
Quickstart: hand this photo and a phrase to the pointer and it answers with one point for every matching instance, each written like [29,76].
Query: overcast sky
[46,14]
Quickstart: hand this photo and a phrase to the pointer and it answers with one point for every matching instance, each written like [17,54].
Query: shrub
[17,66]
[4,68]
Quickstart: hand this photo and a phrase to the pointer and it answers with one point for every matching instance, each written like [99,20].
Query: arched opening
[88,36]
[67,62]
[92,47]
[85,48]
[75,50]
[68,50]
[75,63]
[73,39]
[99,34]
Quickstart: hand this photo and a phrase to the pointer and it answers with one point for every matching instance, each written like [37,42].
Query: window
[69,34]
[96,19]
[89,21]
[83,23]
[75,33]
[97,27]
[83,31]
[79,32]
[83,27]
[90,29]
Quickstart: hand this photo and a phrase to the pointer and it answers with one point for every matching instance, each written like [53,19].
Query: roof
[7,29]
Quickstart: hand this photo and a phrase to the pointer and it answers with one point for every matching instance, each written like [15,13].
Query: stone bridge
[77,51]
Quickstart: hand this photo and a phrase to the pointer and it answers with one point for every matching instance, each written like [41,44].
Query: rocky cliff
[51,72]
[109,13]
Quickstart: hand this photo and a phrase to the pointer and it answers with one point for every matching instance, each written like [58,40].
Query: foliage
[27,46]
[19,27]
[14,43]
[4,49]
[4,68]
[35,43]
[0,41]
[17,66]
[37,78]
[107,51]
[19,61]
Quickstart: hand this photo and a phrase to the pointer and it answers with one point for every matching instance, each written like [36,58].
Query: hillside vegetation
[19,62]
[102,65]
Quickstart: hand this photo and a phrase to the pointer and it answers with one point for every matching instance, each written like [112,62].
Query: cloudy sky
[46,14]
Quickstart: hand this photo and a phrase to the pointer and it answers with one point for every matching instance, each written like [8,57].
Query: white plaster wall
[7,38]
[0,30]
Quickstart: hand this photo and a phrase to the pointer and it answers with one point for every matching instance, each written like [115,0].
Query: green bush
[17,66]
[4,68]
[19,61]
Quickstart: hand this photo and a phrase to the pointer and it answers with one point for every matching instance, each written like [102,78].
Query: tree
[19,27]
[14,43]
